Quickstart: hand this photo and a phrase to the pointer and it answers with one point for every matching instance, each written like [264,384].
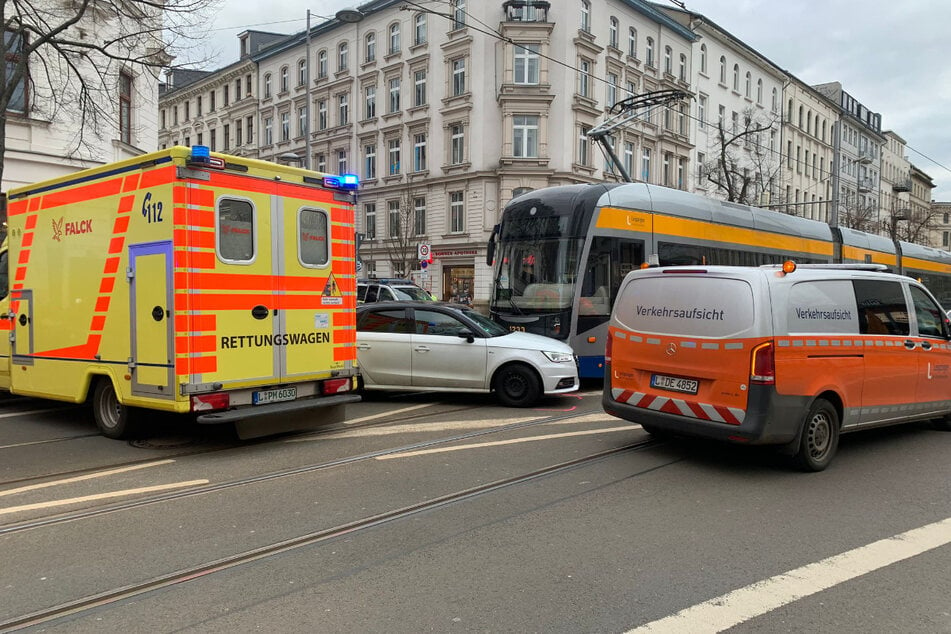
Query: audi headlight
[560,357]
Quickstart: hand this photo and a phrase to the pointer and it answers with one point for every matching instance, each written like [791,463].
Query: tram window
[609,260]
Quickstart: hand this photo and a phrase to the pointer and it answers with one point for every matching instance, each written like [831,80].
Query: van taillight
[763,367]
[206,402]
[607,347]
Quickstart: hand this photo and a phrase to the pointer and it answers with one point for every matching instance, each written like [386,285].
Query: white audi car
[435,346]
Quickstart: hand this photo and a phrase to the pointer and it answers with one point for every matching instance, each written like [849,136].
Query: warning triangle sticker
[331,289]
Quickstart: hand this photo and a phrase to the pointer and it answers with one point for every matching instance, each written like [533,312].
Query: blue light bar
[200,153]
[346,181]
[201,157]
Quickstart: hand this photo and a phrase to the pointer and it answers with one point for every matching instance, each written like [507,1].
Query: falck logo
[671,349]
[58,229]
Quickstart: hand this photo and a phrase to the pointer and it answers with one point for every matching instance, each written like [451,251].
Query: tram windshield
[537,274]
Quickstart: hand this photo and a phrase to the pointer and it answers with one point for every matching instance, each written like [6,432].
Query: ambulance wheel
[517,386]
[819,438]
[112,417]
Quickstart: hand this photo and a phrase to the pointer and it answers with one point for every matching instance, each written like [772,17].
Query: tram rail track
[61,518]
[201,570]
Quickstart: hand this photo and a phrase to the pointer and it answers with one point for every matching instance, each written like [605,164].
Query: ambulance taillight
[335,386]
[209,402]
[763,366]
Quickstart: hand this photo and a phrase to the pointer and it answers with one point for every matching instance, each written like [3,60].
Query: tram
[559,253]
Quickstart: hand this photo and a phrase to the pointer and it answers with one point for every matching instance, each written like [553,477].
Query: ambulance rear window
[235,230]
[312,237]
[686,306]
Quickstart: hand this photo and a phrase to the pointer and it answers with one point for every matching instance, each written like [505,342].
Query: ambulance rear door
[152,332]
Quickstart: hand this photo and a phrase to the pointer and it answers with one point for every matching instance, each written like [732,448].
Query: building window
[268,131]
[583,146]
[419,153]
[342,161]
[226,137]
[247,85]
[419,96]
[668,60]
[369,103]
[703,59]
[457,213]
[393,165]
[125,107]
[369,51]
[612,32]
[650,52]
[610,90]
[343,57]
[458,76]
[736,77]
[681,172]
[211,101]
[322,114]
[302,72]
[723,69]
[302,120]
[284,83]
[646,165]
[394,38]
[632,42]
[702,112]
[585,16]
[526,64]
[525,136]
[759,91]
[14,44]
[419,30]
[321,64]
[394,216]
[249,128]
[369,161]
[395,95]
[285,126]
[343,109]
[369,221]
[683,68]
[629,157]
[457,144]
[212,141]
[267,86]
[419,216]
[584,77]
[458,14]
[198,107]
[748,86]
[237,133]
[321,162]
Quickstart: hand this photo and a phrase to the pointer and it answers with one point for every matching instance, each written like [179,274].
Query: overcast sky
[893,56]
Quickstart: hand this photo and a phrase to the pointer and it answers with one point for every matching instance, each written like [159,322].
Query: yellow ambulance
[183,281]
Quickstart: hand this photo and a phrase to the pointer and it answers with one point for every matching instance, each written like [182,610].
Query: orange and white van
[183,281]
[789,355]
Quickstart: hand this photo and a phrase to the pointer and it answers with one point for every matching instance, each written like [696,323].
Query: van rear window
[686,306]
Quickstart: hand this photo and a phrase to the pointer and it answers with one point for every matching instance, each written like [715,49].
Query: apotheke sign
[454,253]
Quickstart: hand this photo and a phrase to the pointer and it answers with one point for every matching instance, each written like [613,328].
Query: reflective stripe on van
[693,409]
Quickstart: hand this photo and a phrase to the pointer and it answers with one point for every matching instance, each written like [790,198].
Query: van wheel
[819,438]
[654,431]
[517,386]
[112,417]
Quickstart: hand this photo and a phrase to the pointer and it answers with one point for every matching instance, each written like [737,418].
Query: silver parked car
[436,346]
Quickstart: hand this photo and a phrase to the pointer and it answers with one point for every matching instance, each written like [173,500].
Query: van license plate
[274,396]
[675,384]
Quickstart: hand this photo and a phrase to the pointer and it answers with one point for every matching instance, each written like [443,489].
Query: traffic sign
[425,252]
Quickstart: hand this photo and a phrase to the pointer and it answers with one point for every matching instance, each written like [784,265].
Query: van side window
[929,315]
[235,230]
[882,308]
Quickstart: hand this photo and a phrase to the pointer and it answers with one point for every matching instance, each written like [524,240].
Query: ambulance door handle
[24,320]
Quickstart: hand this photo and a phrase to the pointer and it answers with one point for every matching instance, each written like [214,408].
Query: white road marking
[100,496]
[37,411]
[363,419]
[498,443]
[89,476]
[739,606]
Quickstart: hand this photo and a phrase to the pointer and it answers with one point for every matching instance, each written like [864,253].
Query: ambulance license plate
[675,384]
[274,396]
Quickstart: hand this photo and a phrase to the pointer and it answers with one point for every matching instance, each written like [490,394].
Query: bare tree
[65,58]
[404,230]
[858,213]
[743,167]
[912,224]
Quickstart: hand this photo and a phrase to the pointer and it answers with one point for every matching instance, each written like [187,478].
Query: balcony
[865,185]
[866,156]
[526,10]
[903,185]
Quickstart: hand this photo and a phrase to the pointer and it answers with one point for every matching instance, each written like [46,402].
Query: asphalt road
[450,513]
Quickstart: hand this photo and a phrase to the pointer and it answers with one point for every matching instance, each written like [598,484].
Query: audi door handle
[422,349]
